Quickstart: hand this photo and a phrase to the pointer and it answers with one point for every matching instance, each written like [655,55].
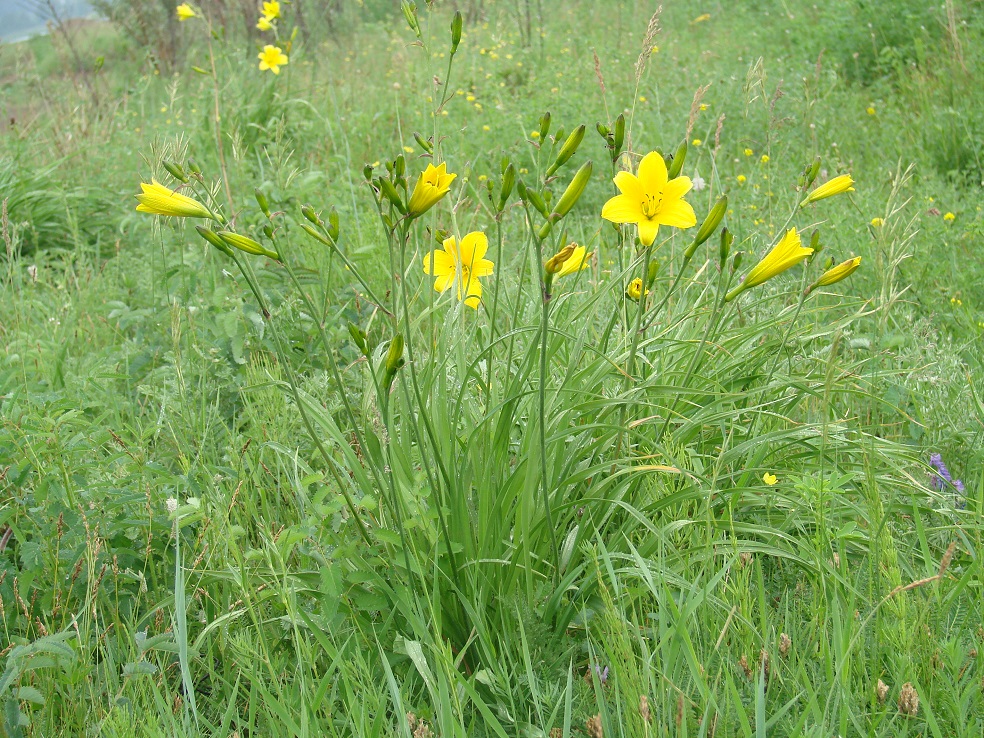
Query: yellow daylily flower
[272,58]
[836,186]
[430,187]
[264,23]
[185,11]
[649,200]
[770,479]
[461,266]
[271,9]
[787,253]
[577,261]
[837,273]
[160,200]
[634,290]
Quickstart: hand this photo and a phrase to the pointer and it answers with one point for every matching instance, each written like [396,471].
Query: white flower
[698,182]
[172,505]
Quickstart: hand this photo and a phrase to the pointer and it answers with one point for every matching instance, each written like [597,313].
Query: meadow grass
[312,496]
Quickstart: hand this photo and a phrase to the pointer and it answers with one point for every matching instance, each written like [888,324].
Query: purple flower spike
[602,674]
[942,477]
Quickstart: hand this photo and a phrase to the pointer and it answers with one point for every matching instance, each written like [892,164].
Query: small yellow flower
[837,273]
[160,200]
[949,217]
[634,290]
[461,266]
[787,253]
[649,200]
[765,159]
[742,179]
[836,186]
[877,222]
[535,134]
[271,9]
[703,106]
[264,23]
[748,152]
[870,110]
[408,149]
[486,128]
[470,98]
[697,142]
[430,187]
[272,58]
[185,11]
[956,301]
[701,18]
[770,479]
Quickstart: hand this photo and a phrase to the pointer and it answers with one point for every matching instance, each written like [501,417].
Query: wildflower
[430,187]
[461,266]
[837,273]
[634,290]
[742,179]
[748,152]
[649,200]
[942,476]
[877,222]
[765,159]
[836,186]
[699,183]
[535,134]
[172,504]
[697,142]
[272,58]
[264,23]
[161,200]
[271,9]
[787,253]
[577,261]
[770,479]
[185,11]
[701,18]
[949,217]
[870,110]
[908,700]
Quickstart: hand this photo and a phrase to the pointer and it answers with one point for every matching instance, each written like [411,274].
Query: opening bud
[556,262]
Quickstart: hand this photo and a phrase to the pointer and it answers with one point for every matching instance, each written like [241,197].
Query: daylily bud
[508,182]
[213,238]
[359,337]
[736,261]
[410,13]
[193,166]
[367,172]
[390,193]
[521,190]
[308,212]
[676,165]
[455,31]
[247,244]
[815,242]
[262,201]
[316,235]
[836,273]
[544,125]
[727,238]
[653,271]
[812,171]
[710,224]
[574,191]
[399,166]
[619,139]
[567,150]
[603,130]
[175,171]
[423,143]
[268,231]
[558,134]
[536,201]
[394,357]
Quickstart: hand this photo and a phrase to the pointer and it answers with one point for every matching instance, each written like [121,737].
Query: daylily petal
[451,248]
[677,213]
[628,184]
[473,248]
[677,188]
[652,172]
[482,268]
[647,231]
[438,263]
[623,209]
[444,282]
[473,293]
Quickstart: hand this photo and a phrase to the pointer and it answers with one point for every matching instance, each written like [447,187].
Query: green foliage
[226,511]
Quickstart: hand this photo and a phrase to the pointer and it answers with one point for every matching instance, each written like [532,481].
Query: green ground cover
[226,512]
